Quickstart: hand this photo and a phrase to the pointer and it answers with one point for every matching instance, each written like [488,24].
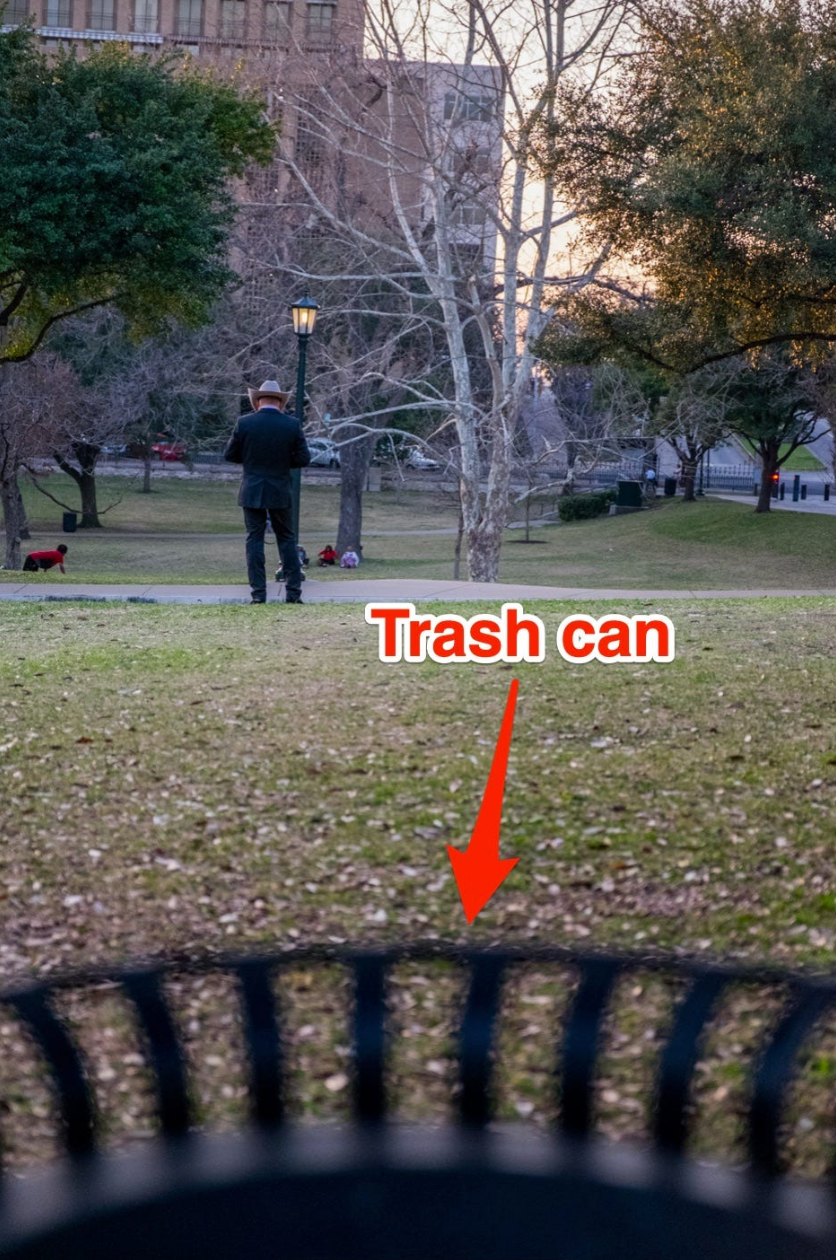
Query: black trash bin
[629,496]
[670,487]
[70,524]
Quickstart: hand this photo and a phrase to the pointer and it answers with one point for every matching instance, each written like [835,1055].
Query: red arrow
[480,870]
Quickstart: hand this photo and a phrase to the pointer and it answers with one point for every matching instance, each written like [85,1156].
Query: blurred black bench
[372,1189]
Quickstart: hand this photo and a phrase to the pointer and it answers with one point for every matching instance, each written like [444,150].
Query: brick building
[204,27]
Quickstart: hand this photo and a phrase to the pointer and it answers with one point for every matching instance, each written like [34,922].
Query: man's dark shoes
[258,601]
[294,601]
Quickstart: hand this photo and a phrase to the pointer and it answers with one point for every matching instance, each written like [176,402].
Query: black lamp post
[304,318]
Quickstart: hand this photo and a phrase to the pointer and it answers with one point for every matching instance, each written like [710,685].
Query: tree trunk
[484,541]
[146,469]
[483,544]
[689,478]
[457,550]
[84,477]
[528,518]
[89,506]
[770,467]
[484,533]
[9,499]
[355,459]
[23,524]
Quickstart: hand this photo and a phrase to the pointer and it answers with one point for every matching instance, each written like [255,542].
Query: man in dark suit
[269,442]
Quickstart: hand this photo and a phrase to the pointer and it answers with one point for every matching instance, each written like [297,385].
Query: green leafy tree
[775,407]
[114,192]
[707,169]
[114,187]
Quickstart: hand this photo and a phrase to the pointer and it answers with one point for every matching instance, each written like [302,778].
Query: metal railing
[733,478]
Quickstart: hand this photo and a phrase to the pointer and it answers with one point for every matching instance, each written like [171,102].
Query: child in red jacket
[45,560]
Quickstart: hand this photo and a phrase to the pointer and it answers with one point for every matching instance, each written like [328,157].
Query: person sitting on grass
[45,560]
[328,555]
[303,563]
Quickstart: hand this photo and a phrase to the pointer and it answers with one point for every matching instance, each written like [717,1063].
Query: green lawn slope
[191,531]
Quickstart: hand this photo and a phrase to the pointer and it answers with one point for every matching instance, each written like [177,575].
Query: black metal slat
[580,1043]
[775,1073]
[369,1038]
[264,1045]
[74,1097]
[164,1054]
[476,1038]
[679,1058]
[164,1050]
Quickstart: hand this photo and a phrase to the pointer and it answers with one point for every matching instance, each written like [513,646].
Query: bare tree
[176,385]
[36,398]
[80,435]
[597,410]
[693,418]
[417,161]
[583,418]
[134,391]
[378,353]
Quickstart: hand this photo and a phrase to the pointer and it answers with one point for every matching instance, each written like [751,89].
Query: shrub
[582,507]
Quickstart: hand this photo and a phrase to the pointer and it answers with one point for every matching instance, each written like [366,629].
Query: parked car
[114,452]
[324,454]
[417,459]
[169,452]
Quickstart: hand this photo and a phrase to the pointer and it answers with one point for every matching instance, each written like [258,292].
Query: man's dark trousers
[281,519]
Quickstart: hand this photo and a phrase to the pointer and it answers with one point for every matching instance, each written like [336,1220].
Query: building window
[320,22]
[263,183]
[189,21]
[102,15]
[233,19]
[469,215]
[18,11]
[315,157]
[310,147]
[59,13]
[146,16]
[277,17]
[469,106]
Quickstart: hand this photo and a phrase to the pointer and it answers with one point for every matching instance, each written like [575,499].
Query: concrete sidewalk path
[816,506]
[360,591]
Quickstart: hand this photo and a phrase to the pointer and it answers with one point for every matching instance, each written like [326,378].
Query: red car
[169,451]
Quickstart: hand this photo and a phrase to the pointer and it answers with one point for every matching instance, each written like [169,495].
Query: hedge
[582,507]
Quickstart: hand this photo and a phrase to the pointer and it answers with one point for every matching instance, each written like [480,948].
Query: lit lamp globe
[304,316]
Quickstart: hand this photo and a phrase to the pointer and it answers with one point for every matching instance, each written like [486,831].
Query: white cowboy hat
[270,389]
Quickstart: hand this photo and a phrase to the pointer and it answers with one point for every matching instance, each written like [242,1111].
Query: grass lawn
[197,779]
[209,505]
[801,460]
[192,532]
